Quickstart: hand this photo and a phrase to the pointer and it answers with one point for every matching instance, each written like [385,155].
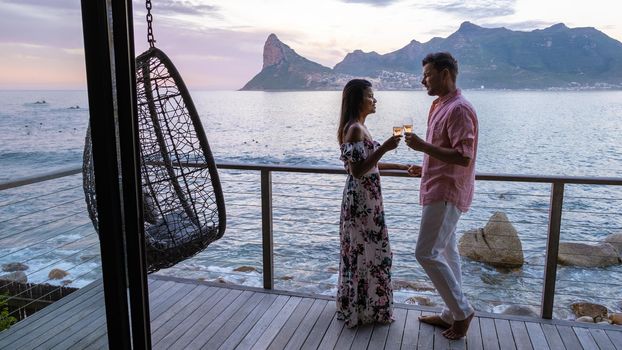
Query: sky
[218,44]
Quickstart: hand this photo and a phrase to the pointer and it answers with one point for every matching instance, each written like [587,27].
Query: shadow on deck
[186,314]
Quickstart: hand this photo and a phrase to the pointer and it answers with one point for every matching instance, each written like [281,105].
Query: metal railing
[554,224]
[41,230]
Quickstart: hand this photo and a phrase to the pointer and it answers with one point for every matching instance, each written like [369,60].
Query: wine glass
[408,124]
[397,131]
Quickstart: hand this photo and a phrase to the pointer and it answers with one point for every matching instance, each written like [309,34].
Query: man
[447,182]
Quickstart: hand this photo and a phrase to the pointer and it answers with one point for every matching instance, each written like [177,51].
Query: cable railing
[539,231]
[285,219]
[284,234]
[48,247]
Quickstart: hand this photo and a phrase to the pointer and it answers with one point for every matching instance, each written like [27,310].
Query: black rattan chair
[183,204]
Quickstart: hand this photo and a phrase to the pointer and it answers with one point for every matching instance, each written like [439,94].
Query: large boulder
[587,255]
[497,244]
[615,239]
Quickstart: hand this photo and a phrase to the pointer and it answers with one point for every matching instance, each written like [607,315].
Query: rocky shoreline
[24,298]
[496,245]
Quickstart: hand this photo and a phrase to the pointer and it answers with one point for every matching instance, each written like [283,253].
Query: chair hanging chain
[150,38]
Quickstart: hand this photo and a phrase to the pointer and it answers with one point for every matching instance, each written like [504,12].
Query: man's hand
[415,142]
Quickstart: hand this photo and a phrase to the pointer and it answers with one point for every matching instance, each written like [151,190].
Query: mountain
[557,57]
[284,69]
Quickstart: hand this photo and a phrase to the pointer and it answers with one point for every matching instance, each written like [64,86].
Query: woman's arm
[413,170]
[355,133]
[391,166]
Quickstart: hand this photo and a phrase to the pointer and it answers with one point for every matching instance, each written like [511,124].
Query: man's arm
[461,131]
[447,155]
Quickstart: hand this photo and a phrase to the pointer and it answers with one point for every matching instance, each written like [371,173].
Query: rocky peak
[273,52]
[557,27]
[360,53]
[468,27]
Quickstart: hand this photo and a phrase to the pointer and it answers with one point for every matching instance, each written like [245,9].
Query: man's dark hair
[442,60]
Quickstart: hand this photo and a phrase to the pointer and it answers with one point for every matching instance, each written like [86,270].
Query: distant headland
[556,57]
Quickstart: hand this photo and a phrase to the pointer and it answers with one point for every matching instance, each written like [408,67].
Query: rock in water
[616,318]
[419,300]
[595,311]
[519,310]
[585,319]
[14,266]
[17,276]
[245,269]
[615,240]
[587,255]
[414,285]
[497,244]
[57,274]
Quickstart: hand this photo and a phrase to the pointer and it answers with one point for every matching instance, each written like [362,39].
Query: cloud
[47,5]
[177,7]
[209,58]
[474,9]
[48,23]
[40,67]
[379,3]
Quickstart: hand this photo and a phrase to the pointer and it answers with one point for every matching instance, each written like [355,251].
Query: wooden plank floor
[187,314]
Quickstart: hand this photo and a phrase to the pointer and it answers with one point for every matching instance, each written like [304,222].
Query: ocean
[565,133]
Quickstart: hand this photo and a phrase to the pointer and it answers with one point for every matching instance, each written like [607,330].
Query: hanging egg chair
[183,204]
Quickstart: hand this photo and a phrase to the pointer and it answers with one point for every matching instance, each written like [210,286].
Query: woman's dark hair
[442,60]
[351,103]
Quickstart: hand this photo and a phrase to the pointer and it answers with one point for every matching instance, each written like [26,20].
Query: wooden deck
[187,314]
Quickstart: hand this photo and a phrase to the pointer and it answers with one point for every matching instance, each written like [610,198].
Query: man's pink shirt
[452,123]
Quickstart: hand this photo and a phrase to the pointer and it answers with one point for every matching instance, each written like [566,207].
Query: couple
[365,294]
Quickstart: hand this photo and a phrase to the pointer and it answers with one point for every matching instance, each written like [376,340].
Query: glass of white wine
[397,131]
[408,124]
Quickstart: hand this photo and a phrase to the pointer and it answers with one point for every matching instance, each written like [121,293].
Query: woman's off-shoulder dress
[364,292]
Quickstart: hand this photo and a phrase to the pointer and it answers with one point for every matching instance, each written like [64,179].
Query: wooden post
[552,249]
[266,228]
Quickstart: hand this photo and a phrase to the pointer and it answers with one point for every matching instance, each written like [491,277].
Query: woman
[364,293]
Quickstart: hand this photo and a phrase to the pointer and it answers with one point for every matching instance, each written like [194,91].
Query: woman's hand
[391,143]
[414,170]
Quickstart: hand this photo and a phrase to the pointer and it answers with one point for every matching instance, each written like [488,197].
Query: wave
[286,160]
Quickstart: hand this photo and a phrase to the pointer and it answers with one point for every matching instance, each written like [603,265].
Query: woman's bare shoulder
[355,133]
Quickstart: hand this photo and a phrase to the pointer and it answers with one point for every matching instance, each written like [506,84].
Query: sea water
[521,132]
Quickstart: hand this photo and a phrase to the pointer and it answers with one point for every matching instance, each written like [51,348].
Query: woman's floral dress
[364,293]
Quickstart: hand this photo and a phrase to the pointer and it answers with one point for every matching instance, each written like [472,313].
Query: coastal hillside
[284,69]
[556,57]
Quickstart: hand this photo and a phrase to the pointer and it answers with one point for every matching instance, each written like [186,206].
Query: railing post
[552,249]
[266,229]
